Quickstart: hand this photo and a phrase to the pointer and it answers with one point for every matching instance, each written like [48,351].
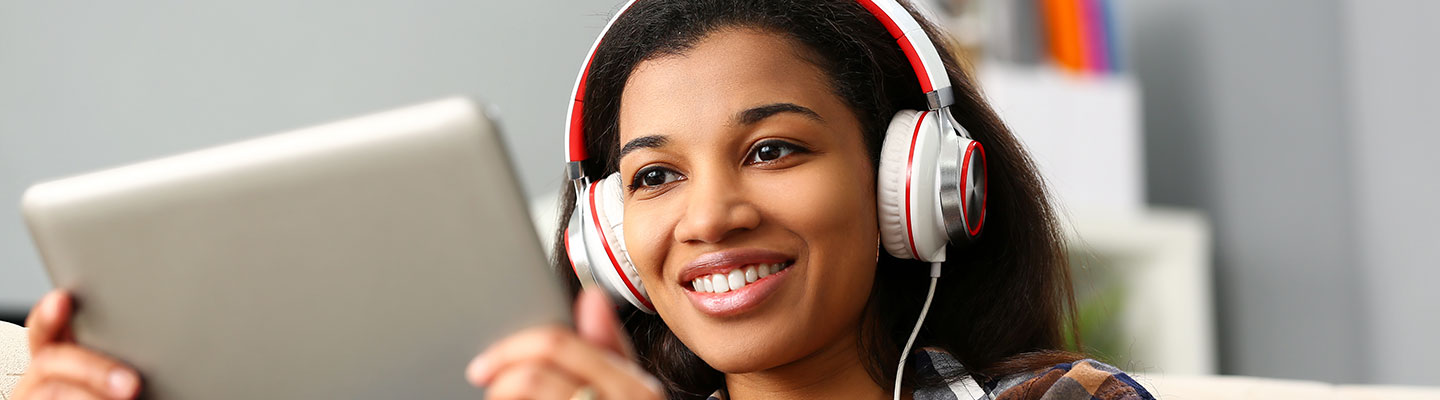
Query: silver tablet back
[366,259]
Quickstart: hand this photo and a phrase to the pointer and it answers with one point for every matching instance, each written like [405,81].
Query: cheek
[838,207]
[833,214]
[837,224]
[646,239]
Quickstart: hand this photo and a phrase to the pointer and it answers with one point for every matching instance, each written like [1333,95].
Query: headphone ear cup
[575,249]
[906,191]
[594,242]
[612,221]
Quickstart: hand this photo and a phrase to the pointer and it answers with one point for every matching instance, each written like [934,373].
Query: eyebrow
[749,116]
[757,114]
[643,142]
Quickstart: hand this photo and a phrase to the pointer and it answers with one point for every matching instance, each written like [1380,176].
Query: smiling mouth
[736,278]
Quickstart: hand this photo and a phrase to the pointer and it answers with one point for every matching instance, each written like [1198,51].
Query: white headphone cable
[929,295]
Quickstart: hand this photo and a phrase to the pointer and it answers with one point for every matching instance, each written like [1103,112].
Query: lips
[731,282]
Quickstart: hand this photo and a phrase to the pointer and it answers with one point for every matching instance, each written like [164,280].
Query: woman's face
[738,156]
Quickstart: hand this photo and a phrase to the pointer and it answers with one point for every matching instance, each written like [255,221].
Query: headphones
[931,187]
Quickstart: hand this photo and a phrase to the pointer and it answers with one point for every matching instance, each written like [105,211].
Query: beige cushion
[1378,392]
[1232,388]
[1183,387]
[14,357]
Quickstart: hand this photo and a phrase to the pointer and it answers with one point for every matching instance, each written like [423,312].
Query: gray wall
[1300,126]
[1394,93]
[93,84]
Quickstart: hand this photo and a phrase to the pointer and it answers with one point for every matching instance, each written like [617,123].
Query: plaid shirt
[1080,380]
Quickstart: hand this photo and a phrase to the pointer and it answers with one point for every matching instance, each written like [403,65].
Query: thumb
[597,323]
[49,322]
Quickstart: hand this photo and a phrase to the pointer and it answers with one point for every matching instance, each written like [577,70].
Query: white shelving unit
[1083,131]
[1160,258]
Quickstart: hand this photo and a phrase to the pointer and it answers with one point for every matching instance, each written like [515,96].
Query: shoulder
[1083,379]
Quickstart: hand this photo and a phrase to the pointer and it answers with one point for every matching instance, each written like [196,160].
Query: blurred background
[1246,184]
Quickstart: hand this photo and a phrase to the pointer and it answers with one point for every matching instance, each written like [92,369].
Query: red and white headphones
[930,192]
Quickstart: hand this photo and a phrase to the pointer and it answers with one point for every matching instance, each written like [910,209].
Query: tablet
[370,258]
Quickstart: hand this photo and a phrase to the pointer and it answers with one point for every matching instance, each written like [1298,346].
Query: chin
[754,344]
[747,356]
[799,320]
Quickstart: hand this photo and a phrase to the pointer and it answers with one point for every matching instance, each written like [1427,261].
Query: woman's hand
[553,362]
[60,368]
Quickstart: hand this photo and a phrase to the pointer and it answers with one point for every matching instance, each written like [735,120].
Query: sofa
[1184,387]
[14,356]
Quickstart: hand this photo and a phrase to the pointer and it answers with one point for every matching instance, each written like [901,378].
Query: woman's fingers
[552,346]
[59,390]
[72,365]
[531,381]
[596,322]
[48,321]
[598,356]
[59,369]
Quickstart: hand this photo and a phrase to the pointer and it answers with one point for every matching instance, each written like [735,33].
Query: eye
[650,177]
[772,150]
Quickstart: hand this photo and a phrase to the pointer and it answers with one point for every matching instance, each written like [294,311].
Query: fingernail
[52,305]
[122,383]
[478,371]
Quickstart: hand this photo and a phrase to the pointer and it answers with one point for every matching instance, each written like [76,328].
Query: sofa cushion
[14,357]
[1381,392]
[1248,388]
[1182,387]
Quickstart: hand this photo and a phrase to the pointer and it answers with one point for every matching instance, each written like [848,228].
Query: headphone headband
[908,33]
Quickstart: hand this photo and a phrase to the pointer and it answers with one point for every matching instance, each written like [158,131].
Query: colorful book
[1064,34]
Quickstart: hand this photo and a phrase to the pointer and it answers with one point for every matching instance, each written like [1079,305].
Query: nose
[716,208]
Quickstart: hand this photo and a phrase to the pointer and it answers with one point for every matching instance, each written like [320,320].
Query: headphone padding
[890,185]
[611,213]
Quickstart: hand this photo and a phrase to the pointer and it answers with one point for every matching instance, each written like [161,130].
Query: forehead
[725,72]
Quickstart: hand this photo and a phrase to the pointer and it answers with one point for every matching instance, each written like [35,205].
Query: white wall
[85,85]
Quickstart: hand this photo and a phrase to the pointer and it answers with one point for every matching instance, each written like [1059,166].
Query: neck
[835,371]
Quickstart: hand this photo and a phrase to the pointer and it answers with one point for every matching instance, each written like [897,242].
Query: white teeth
[735,278]
[720,282]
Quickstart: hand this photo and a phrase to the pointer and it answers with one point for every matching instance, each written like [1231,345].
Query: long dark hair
[1002,303]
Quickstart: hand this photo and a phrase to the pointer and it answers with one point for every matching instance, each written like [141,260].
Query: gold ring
[584,393]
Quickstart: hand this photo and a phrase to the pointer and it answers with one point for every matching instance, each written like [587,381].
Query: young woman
[745,141]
